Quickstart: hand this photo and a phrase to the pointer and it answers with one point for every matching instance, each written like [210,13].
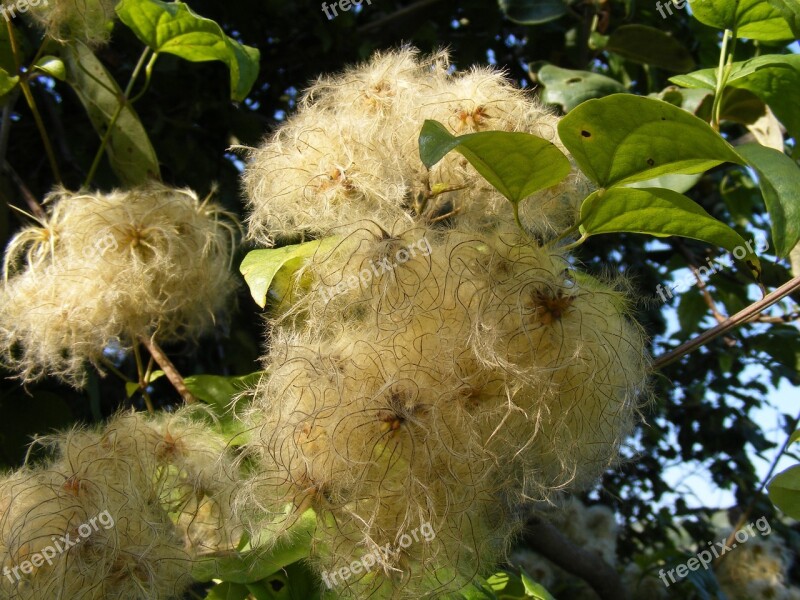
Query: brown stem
[169,369]
[403,12]
[545,539]
[739,318]
[34,206]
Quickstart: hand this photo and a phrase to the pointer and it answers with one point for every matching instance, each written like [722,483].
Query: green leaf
[260,267]
[533,589]
[794,437]
[775,78]
[624,138]
[753,19]
[254,565]
[131,387]
[516,164]
[7,82]
[228,591]
[533,12]
[659,212]
[173,27]
[569,88]
[52,66]
[784,491]
[129,149]
[790,11]
[650,46]
[224,395]
[779,178]
[219,391]
[691,309]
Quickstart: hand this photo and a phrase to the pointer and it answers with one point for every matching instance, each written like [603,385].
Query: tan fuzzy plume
[105,269]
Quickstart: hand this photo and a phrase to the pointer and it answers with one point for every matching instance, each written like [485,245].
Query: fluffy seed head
[107,268]
[89,21]
[351,152]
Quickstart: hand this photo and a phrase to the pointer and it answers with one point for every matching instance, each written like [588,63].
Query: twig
[548,541]
[144,378]
[403,12]
[169,369]
[739,318]
[747,511]
[25,86]
[34,206]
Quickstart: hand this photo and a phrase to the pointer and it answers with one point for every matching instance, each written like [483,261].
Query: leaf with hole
[752,19]
[173,27]
[660,212]
[129,150]
[625,138]
[570,88]
[650,46]
[779,179]
[516,164]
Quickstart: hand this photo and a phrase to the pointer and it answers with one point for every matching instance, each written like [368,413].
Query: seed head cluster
[161,488]
[104,269]
[438,365]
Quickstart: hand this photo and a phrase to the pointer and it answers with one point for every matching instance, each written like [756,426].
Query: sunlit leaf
[660,212]
[784,491]
[753,19]
[516,164]
[260,267]
[250,566]
[625,138]
[775,78]
[779,178]
[52,66]
[173,27]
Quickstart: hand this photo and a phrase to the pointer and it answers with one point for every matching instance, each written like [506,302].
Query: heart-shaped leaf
[173,27]
[779,178]
[650,46]
[790,11]
[753,19]
[624,138]
[660,212]
[516,164]
[570,88]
